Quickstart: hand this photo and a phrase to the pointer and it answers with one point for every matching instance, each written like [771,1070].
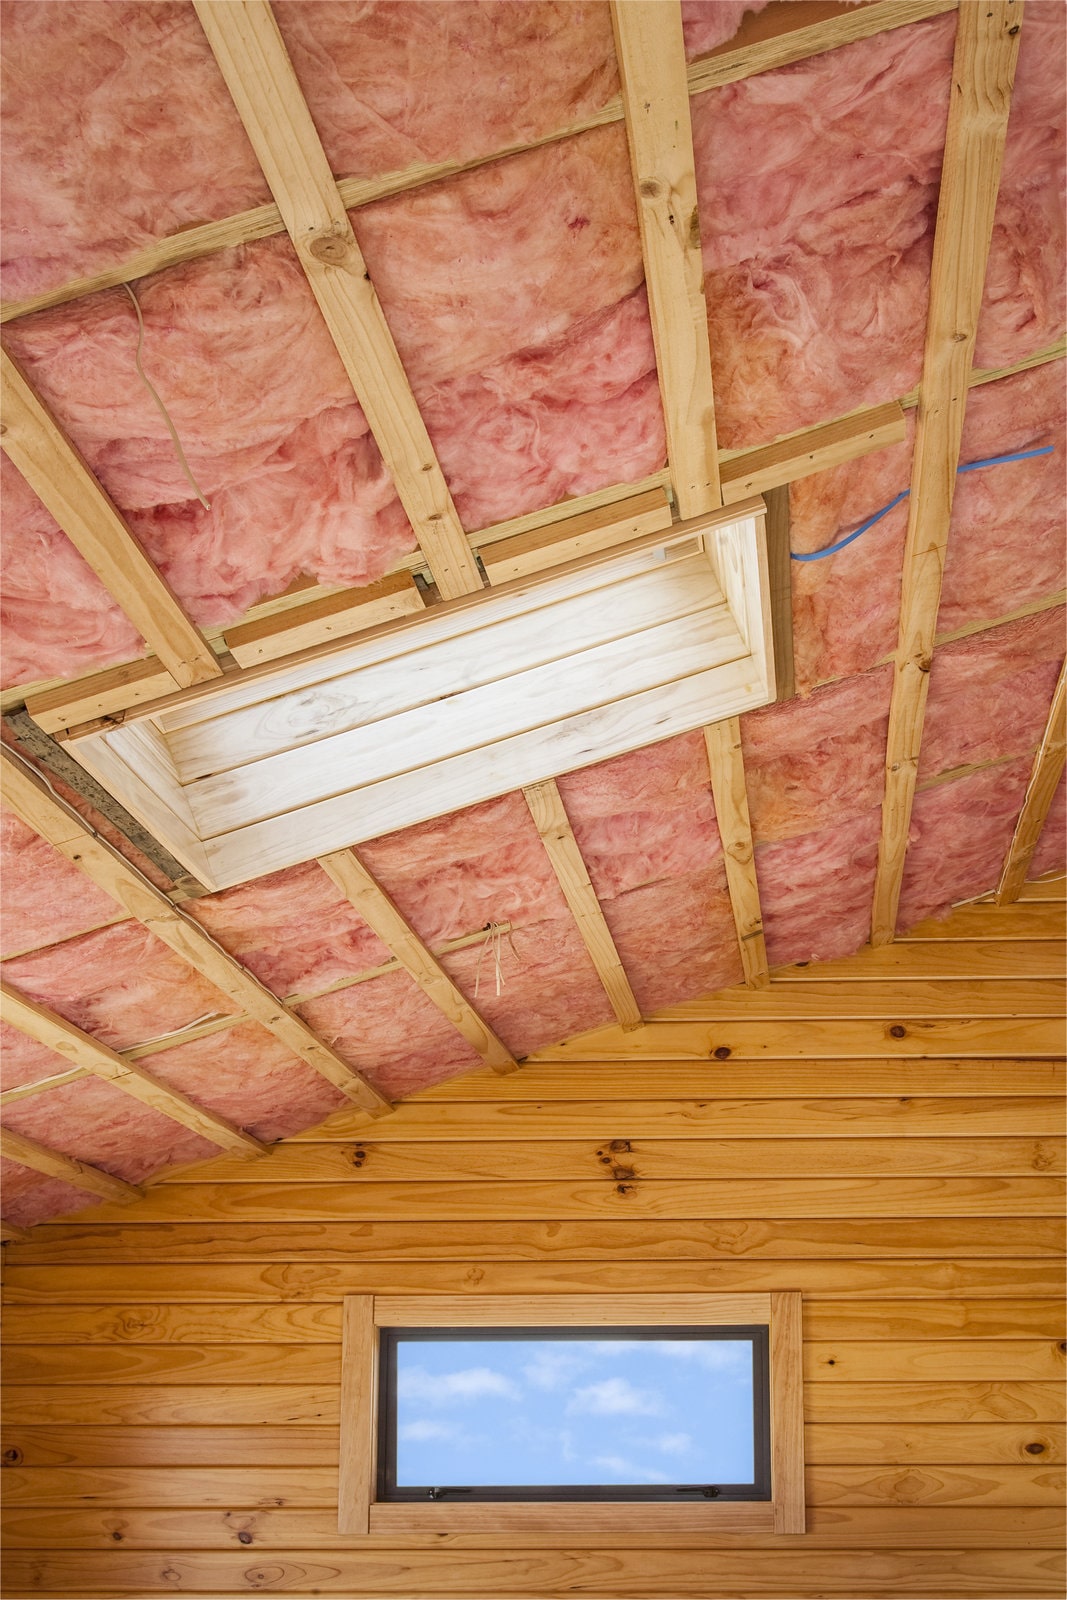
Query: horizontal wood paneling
[173,1367]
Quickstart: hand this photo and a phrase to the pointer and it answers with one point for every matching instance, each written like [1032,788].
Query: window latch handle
[708,1490]
[439,1494]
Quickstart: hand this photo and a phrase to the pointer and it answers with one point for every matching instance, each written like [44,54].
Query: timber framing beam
[28,1153]
[1048,768]
[730,793]
[557,835]
[259,75]
[983,70]
[32,800]
[55,471]
[346,870]
[83,1051]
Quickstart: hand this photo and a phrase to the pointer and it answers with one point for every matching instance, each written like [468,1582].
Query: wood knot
[244,1537]
[898,1031]
[331,249]
[651,189]
[1035,1448]
[12,1457]
[620,1146]
[722,1052]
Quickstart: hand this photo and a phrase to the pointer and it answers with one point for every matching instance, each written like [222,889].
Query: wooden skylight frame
[467,700]
[361,1513]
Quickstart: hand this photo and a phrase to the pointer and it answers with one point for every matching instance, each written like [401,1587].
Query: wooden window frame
[360,1512]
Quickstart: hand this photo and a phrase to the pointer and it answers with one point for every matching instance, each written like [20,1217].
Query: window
[649,1412]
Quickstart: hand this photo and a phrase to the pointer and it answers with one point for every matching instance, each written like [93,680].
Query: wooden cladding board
[347,742]
[173,1378]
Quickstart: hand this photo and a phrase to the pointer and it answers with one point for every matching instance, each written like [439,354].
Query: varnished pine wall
[882,1134]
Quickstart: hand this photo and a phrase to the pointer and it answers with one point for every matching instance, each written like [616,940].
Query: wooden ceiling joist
[730,794]
[1048,769]
[810,450]
[346,870]
[259,75]
[83,1051]
[655,96]
[553,824]
[32,800]
[28,1153]
[983,70]
[57,474]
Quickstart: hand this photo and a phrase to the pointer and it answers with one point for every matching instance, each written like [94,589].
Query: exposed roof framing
[56,473]
[810,450]
[346,870]
[259,75]
[983,70]
[552,823]
[651,54]
[28,1153]
[31,799]
[1048,768]
[727,66]
[730,793]
[94,1057]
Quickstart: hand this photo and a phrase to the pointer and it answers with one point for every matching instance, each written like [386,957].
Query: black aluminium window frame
[758,1490]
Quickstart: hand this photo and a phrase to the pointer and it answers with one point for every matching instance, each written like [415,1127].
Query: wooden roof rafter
[253,60]
[93,1057]
[1046,774]
[983,70]
[33,800]
[79,1174]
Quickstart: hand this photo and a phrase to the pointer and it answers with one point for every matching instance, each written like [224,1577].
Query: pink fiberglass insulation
[23,1060]
[46,898]
[549,988]
[394,84]
[1006,543]
[818,187]
[247,1076]
[846,606]
[813,765]
[294,930]
[58,618]
[95,1122]
[815,890]
[457,873]
[30,1197]
[960,833]
[1024,307]
[676,938]
[393,1033]
[117,130]
[1051,852]
[707,24]
[990,693]
[121,984]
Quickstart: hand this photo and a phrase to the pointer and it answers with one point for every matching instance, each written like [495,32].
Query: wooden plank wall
[172,1367]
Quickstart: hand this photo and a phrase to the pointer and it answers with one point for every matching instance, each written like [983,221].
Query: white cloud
[616,1397]
[553,1369]
[672,1444]
[714,1355]
[451,1388]
[628,1470]
[424,1429]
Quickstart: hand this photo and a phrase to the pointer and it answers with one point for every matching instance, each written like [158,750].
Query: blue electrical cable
[968,466]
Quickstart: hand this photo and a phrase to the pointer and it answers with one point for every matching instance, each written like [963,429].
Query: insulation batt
[817,186]
[95,1122]
[1051,852]
[676,938]
[990,693]
[706,24]
[816,888]
[150,142]
[30,1197]
[121,984]
[46,899]
[23,1060]
[245,1075]
[960,833]
[808,767]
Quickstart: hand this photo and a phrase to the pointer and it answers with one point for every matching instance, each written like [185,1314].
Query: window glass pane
[571,1410]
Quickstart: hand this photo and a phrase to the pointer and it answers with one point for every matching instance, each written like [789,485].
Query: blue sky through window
[539,1411]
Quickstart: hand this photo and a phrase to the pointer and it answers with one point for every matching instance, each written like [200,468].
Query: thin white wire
[164,413]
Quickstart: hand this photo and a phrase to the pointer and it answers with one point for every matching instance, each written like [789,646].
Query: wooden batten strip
[346,870]
[57,474]
[780,573]
[1048,768]
[729,791]
[259,75]
[553,824]
[28,1153]
[812,450]
[651,54]
[332,616]
[987,46]
[32,800]
[85,1052]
